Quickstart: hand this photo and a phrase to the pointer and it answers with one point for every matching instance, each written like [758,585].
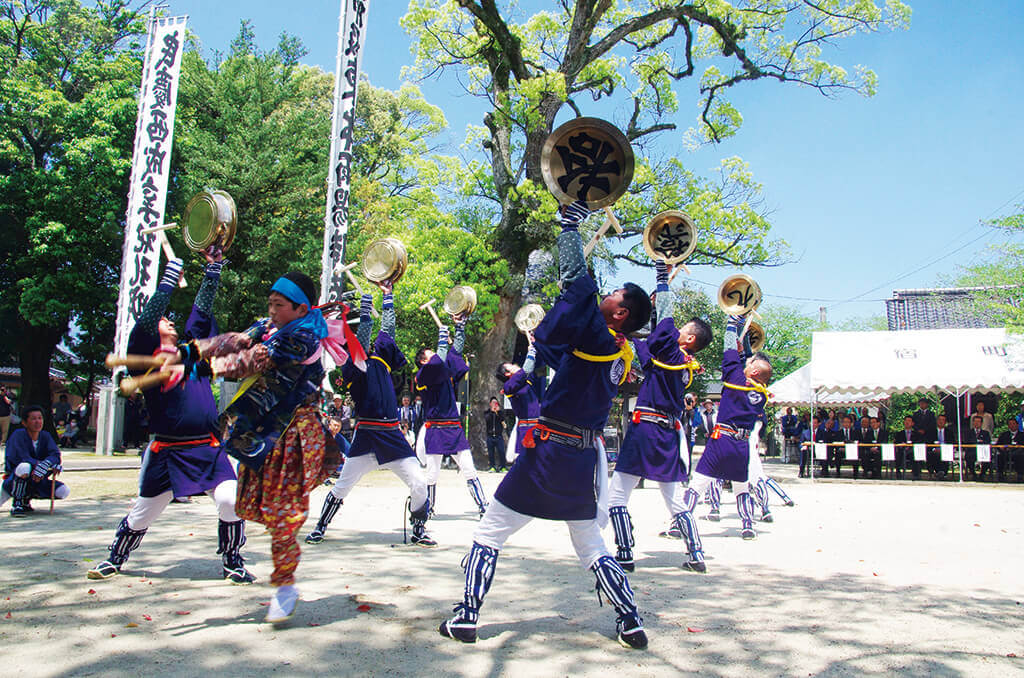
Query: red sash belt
[443,423]
[158,445]
[376,424]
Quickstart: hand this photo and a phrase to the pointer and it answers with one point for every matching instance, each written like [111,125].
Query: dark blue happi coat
[650,450]
[435,383]
[373,393]
[523,399]
[552,480]
[726,457]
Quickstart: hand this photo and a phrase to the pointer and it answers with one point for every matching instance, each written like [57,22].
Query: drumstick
[133,361]
[165,244]
[132,384]
[53,489]
[157,229]
[433,314]
[347,270]
[609,222]
[676,270]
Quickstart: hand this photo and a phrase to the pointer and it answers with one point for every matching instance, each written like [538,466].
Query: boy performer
[563,457]
[185,457]
[439,374]
[277,434]
[727,454]
[519,390]
[31,455]
[759,480]
[378,441]
[655,446]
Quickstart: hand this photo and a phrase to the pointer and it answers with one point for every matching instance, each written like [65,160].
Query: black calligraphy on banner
[673,240]
[149,213]
[590,163]
[338,224]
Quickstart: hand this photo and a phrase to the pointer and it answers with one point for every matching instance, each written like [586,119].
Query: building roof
[16,372]
[937,308]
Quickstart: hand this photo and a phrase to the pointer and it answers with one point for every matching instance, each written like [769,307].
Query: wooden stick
[165,244]
[347,270]
[433,314]
[676,270]
[133,361]
[157,229]
[53,489]
[609,222]
[130,385]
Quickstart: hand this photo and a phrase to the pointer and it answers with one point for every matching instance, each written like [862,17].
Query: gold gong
[739,294]
[210,218]
[462,299]
[528,317]
[756,334]
[587,159]
[385,259]
[670,235]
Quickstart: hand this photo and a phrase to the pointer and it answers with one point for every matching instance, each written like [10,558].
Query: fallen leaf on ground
[91,591]
[874,574]
[113,635]
[265,604]
[364,608]
[7,616]
[694,629]
[131,625]
[183,612]
[313,624]
[1011,655]
[147,617]
[977,525]
[87,560]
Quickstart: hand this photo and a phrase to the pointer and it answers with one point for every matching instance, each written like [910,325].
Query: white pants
[22,470]
[408,469]
[145,510]
[463,459]
[623,484]
[700,483]
[500,522]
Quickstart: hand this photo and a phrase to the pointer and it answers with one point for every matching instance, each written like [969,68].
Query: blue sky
[883,193]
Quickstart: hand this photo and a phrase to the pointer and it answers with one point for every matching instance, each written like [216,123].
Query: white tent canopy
[794,390]
[951,360]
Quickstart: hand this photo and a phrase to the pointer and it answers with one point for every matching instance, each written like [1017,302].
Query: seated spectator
[878,435]
[70,435]
[32,454]
[944,434]
[976,435]
[1013,437]
[904,441]
[846,434]
[805,447]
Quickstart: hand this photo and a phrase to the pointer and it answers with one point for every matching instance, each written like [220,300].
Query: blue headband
[291,291]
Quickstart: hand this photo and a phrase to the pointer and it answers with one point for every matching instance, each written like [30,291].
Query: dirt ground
[857,579]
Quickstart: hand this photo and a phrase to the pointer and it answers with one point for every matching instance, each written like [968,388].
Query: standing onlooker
[708,418]
[417,411]
[6,401]
[61,409]
[407,419]
[495,424]
[805,447]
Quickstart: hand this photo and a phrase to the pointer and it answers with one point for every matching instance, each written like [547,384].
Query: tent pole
[959,437]
[810,452]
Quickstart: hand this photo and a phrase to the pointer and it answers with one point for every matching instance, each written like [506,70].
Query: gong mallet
[429,306]
[134,361]
[165,245]
[347,270]
[609,222]
[129,385]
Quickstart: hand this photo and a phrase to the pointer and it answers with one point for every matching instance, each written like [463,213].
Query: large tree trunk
[35,351]
[495,348]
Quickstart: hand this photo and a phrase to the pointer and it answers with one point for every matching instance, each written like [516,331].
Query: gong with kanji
[587,159]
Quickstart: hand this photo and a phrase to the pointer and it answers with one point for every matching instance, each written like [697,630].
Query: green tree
[68,81]
[529,67]
[1001,278]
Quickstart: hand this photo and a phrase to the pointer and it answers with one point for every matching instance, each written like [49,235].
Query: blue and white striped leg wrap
[476,491]
[125,541]
[622,523]
[231,536]
[331,506]
[761,495]
[431,494]
[688,526]
[690,498]
[479,565]
[745,507]
[611,580]
[19,489]
[777,489]
[716,494]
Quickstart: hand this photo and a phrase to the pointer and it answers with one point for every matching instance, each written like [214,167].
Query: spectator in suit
[904,439]
[407,419]
[6,407]
[944,434]
[1004,454]
[790,429]
[847,433]
[988,422]
[1014,436]
[61,410]
[925,421]
[494,422]
[823,434]
[708,418]
[805,447]
[976,435]
[864,452]
[417,410]
[878,435]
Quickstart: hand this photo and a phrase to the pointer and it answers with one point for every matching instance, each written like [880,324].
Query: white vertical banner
[351,33]
[151,160]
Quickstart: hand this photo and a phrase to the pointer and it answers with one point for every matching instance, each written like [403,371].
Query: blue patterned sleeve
[388,321]
[442,342]
[365,332]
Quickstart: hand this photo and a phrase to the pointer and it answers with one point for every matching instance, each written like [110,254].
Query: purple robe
[374,395]
[650,450]
[525,405]
[435,383]
[726,457]
[552,480]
